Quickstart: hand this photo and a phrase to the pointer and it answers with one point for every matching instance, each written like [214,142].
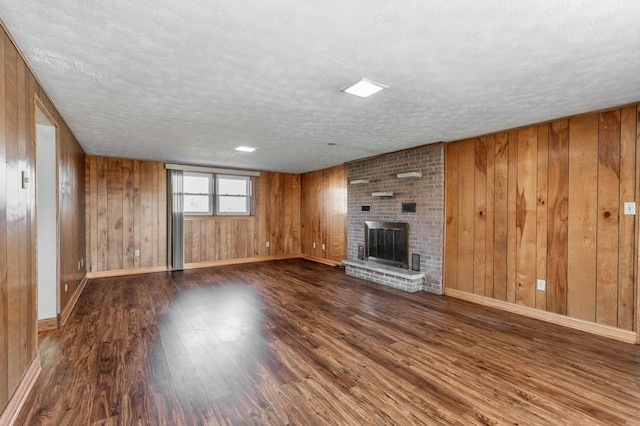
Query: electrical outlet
[137,252]
[266,244]
[541,285]
[314,245]
[66,287]
[323,247]
[630,209]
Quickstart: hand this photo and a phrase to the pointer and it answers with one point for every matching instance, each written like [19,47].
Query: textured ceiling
[187,81]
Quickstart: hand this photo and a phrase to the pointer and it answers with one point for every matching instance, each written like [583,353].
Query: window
[198,193]
[233,195]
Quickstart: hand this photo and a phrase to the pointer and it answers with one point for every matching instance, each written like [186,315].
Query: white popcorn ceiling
[187,81]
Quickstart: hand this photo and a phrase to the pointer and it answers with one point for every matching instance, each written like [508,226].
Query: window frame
[214,194]
[247,197]
[210,194]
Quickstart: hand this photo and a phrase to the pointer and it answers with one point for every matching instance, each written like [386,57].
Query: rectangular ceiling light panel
[364,88]
[245,149]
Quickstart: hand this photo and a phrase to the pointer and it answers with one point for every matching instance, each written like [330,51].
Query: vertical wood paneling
[4,301]
[188,241]
[137,211]
[608,218]
[241,243]
[490,215]
[501,214]
[154,215]
[480,216]
[583,184]
[18,228]
[339,216]
[512,194]
[114,214]
[161,230]
[127,215]
[323,211]
[451,236]
[23,214]
[147,191]
[526,216]
[32,86]
[102,225]
[222,240]
[194,239]
[627,228]
[127,203]
[557,227]
[71,202]
[92,212]
[551,198]
[636,260]
[466,216]
[13,216]
[542,213]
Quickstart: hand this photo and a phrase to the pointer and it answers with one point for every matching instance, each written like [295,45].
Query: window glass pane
[230,186]
[232,204]
[196,184]
[196,204]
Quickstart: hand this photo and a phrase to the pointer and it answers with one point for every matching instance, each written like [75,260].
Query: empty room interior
[305,213]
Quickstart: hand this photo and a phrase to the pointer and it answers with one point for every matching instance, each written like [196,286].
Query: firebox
[387,242]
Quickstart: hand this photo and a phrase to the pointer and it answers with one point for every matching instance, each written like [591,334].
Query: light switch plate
[629,208]
[25,179]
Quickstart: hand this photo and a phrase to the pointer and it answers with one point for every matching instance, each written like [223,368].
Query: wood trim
[47,324]
[577,324]
[124,272]
[197,265]
[38,104]
[320,260]
[72,302]
[17,400]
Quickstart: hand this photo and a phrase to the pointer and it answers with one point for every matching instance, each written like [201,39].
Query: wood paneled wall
[125,212]
[71,217]
[324,213]
[18,267]
[545,202]
[276,220]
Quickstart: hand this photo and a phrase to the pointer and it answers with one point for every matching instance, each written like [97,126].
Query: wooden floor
[294,342]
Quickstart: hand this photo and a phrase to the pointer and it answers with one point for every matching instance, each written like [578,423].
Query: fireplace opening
[386,242]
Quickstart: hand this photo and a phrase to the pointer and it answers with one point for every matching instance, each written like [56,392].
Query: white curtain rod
[211,170]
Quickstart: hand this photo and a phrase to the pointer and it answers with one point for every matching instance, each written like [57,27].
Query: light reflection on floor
[210,338]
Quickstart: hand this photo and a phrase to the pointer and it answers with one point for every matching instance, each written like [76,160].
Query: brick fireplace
[425,226]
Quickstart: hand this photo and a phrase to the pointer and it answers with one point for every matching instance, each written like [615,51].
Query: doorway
[47,220]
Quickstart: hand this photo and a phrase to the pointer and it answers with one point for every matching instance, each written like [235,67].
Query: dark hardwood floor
[294,342]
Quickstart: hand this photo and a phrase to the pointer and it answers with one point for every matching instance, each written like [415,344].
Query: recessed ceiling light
[364,88]
[245,149]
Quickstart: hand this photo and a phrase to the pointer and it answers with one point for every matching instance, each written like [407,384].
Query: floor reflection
[210,340]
